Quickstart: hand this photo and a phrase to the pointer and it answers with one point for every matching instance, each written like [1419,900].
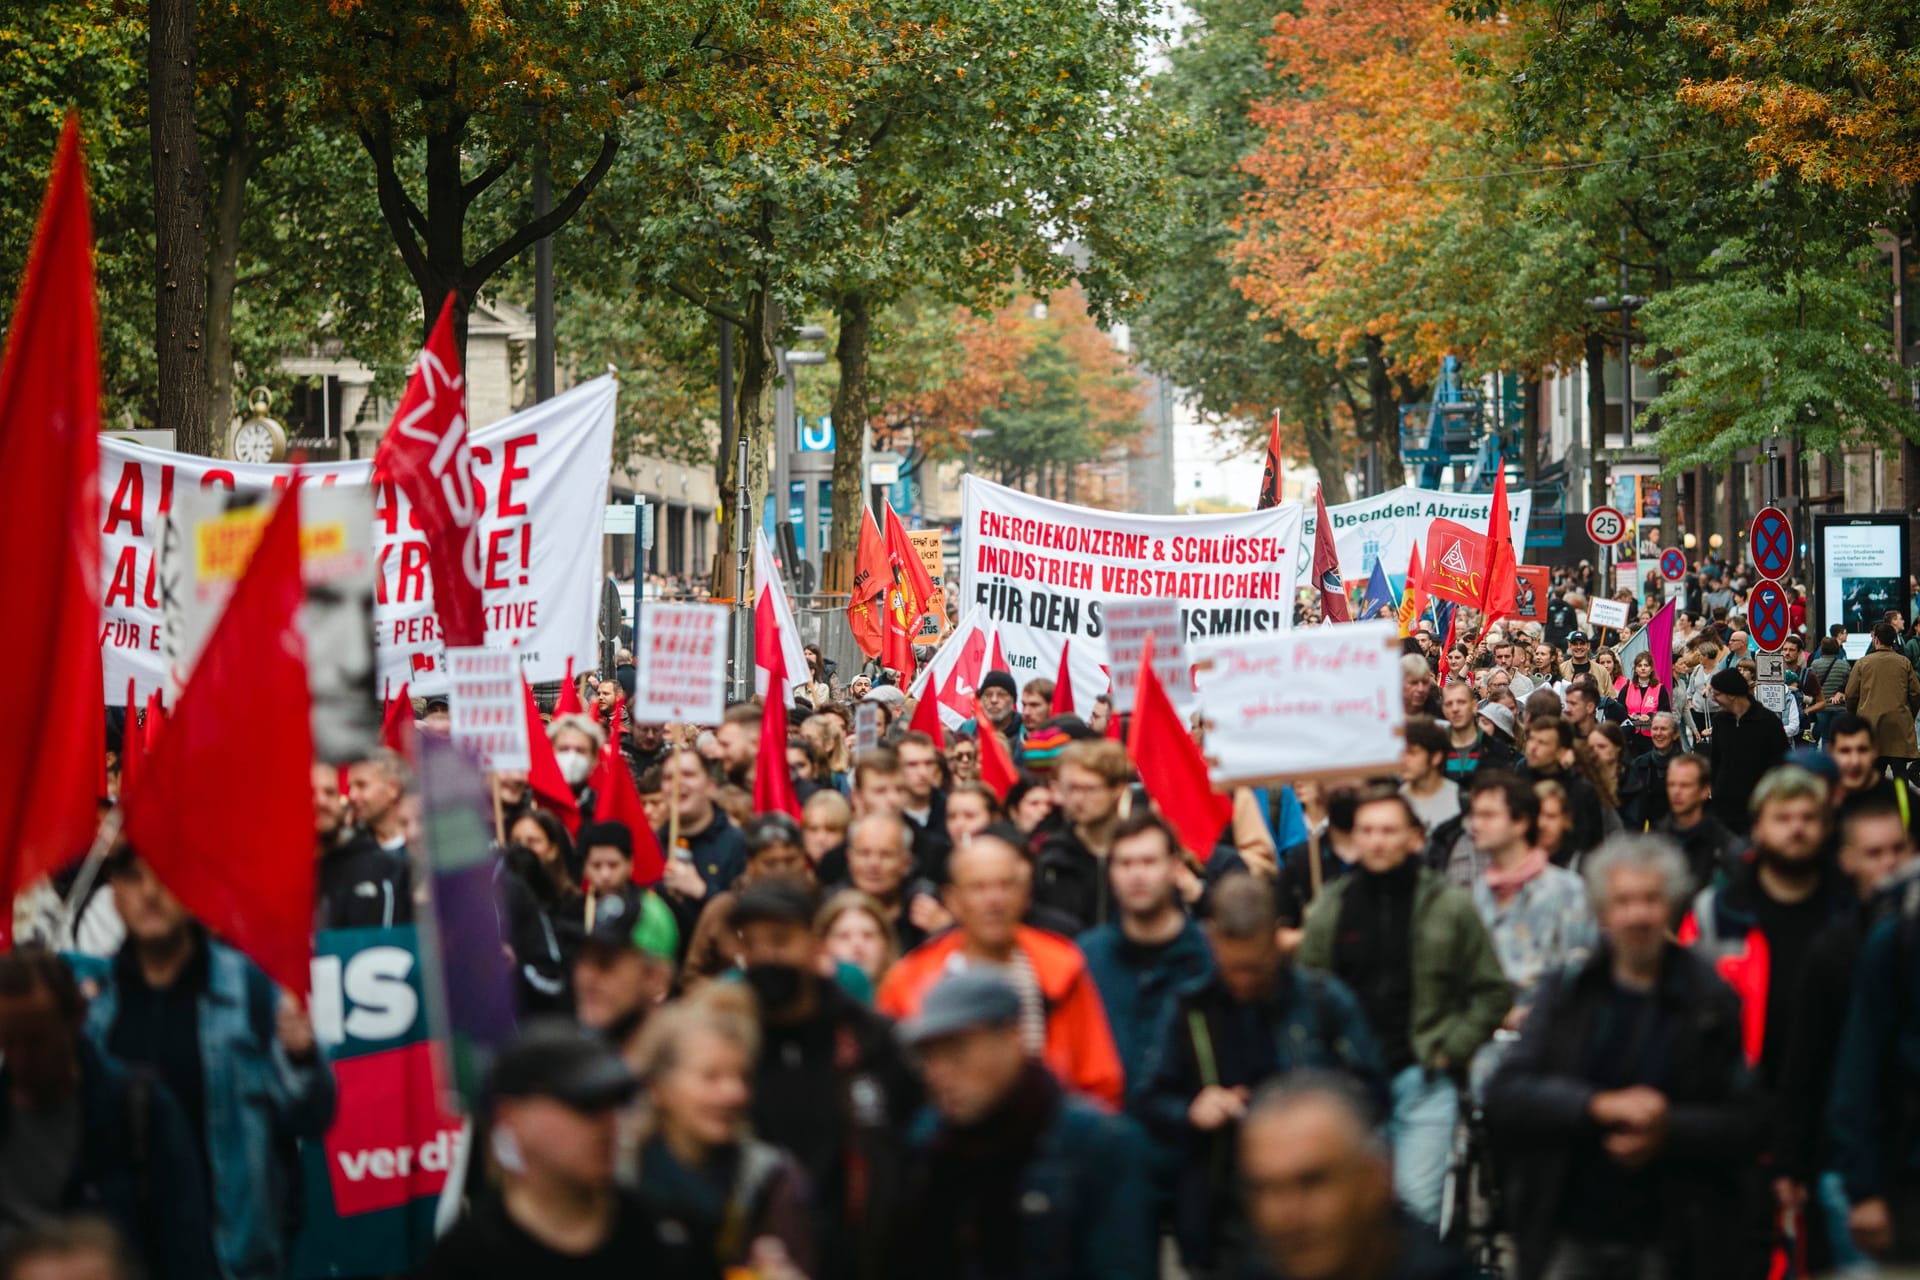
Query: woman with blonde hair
[696,1165]
[823,731]
[856,931]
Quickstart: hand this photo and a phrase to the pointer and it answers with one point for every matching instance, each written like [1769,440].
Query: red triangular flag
[773,790]
[133,745]
[568,703]
[996,762]
[926,719]
[964,679]
[243,870]
[996,660]
[872,576]
[1503,571]
[1446,647]
[1113,725]
[1270,478]
[1063,683]
[425,452]
[54,735]
[156,720]
[1171,767]
[1326,565]
[544,778]
[396,724]
[616,799]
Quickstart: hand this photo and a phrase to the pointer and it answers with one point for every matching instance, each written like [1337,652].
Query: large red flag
[396,725]
[544,778]
[224,814]
[907,601]
[1171,766]
[1270,478]
[926,718]
[52,732]
[963,681]
[1063,683]
[568,703]
[1326,565]
[616,799]
[773,790]
[1503,570]
[425,452]
[872,576]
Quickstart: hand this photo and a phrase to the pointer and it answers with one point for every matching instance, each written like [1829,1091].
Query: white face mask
[574,766]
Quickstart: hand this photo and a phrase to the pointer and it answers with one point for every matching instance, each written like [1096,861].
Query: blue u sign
[817,436]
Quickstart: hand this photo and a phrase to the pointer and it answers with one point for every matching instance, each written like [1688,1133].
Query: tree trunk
[1596,354]
[850,421]
[1383,415]
[446,238]
[754,416]
[179,224]
[237,163]
[1323,451]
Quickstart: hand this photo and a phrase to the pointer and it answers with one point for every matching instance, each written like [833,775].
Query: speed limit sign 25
[1606,526]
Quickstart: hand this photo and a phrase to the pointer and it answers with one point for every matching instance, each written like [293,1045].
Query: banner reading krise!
[1045,570]
[542,476]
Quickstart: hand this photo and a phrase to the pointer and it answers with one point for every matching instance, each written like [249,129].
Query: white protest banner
[1602,612]
[1128,624]
[207,543]
[1389,525]
[1316,702]
[1046,570]
[680,663]
[488,709]
[542,475]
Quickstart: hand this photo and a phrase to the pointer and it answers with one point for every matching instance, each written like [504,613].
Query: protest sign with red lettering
[1456,564]
[541,480]
[680,663]
[1046,570]
[1128,624]
[487,708]
[1317,702]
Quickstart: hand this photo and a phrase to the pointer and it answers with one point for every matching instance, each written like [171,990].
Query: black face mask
[775,985]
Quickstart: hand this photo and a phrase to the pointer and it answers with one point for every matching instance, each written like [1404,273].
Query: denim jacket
[258,1101]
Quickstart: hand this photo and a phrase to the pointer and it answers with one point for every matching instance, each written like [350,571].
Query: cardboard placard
[1607,613]
[488,709]
[680,664]
[1128,623]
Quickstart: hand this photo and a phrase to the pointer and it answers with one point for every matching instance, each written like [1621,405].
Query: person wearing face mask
[576,746]
[830,1083]
[774,849]
[736,1200]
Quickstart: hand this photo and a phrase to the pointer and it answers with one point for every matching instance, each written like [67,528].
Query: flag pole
[103,841]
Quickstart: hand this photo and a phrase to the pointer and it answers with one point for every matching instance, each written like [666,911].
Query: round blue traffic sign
[1770,543]
[1673,564]
[1767,616]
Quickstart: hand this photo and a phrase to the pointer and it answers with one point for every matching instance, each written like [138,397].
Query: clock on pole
[256,437]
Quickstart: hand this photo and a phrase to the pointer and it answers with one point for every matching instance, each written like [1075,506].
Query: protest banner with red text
[1046,570]
[542,482]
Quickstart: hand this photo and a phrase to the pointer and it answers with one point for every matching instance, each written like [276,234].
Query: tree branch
[491,174]
[403,217]
[705,302]
[540,228]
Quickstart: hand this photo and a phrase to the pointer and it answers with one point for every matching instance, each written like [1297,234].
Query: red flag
[133,744]
[155,720]
[773,790]
[964,679]
[242,863]
[568,703]
[915,583]
[616,799]
[996,762]
[1326,565]
[1270,479]
[1413,596]
[926,719]
[396,724]
[1063,683]
[1113,725]
[53,733]
[544,778]
[1456,567]
[872,575]
[1171,766]
[425,452]
[1446,646]
[996,660]
[1503,570]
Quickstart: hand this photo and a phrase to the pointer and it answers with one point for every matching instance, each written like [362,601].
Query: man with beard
[361,885]
[925,807]
[1469,746]
[739,739]
[1757,928]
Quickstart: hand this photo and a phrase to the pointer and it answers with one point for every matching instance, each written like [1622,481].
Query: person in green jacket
[1413,950]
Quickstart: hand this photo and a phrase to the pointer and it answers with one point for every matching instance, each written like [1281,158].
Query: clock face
[253,442]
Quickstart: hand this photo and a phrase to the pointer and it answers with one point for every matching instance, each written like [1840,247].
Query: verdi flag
[617,799]
[773,789]
[1270,478]
[53,733]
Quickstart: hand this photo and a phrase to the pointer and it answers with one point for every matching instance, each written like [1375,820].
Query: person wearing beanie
[1000,702]
[1042,749]
[1745,740]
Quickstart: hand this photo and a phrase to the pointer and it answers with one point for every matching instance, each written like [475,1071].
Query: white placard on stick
[1127,624]
[1607,613]
[488,709]
[1316,702]
[680,664]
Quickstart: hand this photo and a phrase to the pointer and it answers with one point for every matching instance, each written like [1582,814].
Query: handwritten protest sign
[488,709]
[680,664]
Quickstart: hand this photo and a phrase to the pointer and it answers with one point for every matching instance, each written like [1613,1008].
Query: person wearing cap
[775,847]
[554,1099]
[1579,655]
[830,1082]
[998,702]
[1013,1176]
[1747,740]
[989,890]
[625,969]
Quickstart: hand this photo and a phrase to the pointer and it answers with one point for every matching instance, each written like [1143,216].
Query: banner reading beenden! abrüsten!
[543,480]
[1044,570]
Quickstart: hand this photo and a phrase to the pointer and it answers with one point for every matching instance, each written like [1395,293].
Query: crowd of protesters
[1615,978]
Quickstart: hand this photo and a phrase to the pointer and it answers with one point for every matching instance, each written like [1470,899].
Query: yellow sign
[927,543]
[223,547]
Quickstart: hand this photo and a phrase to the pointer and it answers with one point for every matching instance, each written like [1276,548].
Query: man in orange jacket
[1061,1015]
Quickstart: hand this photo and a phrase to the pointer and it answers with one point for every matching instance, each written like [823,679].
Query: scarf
[1507,883]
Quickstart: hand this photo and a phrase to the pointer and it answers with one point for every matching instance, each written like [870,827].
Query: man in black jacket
[925,808]
[1748,740]
[1625,1114]
[1643,800]
[361,885]
[1712,852]
[1070,874]
[832,1085]
[1548,738]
